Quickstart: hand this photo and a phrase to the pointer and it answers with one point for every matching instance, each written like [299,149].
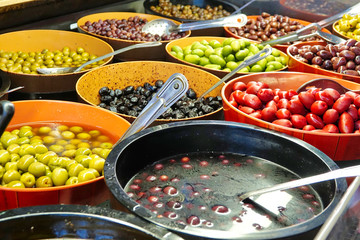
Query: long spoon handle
[253,59]
[339,173]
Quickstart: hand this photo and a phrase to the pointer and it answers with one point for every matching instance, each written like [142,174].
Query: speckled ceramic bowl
[121,75]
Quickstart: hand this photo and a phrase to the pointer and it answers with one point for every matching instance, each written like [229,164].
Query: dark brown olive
[350,65]
[317,60]
[309,56]
[351,72]
[355,50]
[327,64]
[338,61]
[347,54]
[324,54]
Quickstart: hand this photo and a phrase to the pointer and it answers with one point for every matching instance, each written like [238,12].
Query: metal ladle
[163,26]
[62,70]
[339,173]
[325,83]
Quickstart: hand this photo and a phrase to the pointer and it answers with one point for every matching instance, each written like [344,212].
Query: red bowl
[91,192]
[281,47]
[338,147]
[298,66]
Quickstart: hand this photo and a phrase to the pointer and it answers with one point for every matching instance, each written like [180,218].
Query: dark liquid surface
[202,189]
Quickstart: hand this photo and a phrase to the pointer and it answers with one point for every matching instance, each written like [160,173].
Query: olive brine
[131,101]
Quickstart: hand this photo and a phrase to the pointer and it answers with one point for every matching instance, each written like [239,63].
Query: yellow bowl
[36,41]
[152,53]
[338,33]
[190,40]
[121,75]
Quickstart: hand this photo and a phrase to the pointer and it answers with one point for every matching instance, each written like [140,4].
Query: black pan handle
[7,112]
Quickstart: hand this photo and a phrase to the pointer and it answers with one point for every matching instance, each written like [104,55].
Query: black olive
[167,113]
[106,98]
[132,113]
[128,104]
[138,89]
[104,91]
[214,104]
[102,105]
[134,99]
[129,89]
[118,93]
[219,98]
[113,109]
[122,109]
[207,109]
[191,93]
[159,83]
[192,114]
[147,86]
[191,104]
[137,108]
[112,93]
[147,93]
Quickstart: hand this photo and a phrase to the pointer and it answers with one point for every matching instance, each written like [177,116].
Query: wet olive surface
[202,189]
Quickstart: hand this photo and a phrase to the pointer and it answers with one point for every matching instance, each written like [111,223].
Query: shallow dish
[281,47]
[337,32]
[91,192]
[339,147]
[153,53]
[121,75]
[36,41]
[188,41]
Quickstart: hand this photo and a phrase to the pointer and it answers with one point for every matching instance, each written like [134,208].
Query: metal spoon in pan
[163,26]
[62,70]
[325,83]
[339,173]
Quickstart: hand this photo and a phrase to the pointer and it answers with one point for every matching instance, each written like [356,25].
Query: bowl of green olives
[348,27]
[53,152]
[220,55]
[22,52]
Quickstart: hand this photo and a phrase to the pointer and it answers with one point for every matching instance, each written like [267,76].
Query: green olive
[16,184]
[45,157]
[44,181]
[97,164]
[59,176]
[27,149]
[2,171]
[75,169]
[86,175]
[37,169]
[11,165]
[28,179]
[11,175]
[71,181]
[25,161]
[4,157]
[83,160]
[83,151]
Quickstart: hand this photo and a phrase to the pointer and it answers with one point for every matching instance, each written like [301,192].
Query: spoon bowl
[164,26]
[325,83]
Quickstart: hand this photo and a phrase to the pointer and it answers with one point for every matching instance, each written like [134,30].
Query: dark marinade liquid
[201,190]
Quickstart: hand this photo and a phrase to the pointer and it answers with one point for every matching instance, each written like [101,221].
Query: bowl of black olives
[125,89]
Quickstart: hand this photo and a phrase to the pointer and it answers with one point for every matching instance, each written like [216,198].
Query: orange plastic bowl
[36,41]
[190,40]
[121,75]
[298,66]
[281,47]
[92,192]
[151,53]
[338,147]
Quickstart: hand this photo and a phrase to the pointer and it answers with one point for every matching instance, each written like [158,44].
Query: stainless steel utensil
[339,173]
[253,59]
[325,83]
[78,69]
[305,31]
[164,26]
[172,90]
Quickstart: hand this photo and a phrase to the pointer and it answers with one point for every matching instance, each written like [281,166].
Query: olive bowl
[190,40]
[34,112]
[38,40]
[181,138]
[137,73]
[152,53]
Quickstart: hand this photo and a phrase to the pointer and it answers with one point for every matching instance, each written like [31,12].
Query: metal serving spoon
[78,69]
[253,59]
[325,83]
[339,173]
[163,26]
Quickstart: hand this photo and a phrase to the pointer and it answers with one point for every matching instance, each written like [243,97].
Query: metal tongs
[314,29]
[172,90]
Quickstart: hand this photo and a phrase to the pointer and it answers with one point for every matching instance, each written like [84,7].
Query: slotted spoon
[325,83]
[163,26]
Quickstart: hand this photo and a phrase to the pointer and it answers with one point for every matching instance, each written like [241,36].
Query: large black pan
[143,148]
[77,222]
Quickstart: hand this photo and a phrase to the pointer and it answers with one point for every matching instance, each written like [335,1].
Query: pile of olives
[192,12]
[132,100]
[228,55]
[49,155]
[349,25]
[28,62]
